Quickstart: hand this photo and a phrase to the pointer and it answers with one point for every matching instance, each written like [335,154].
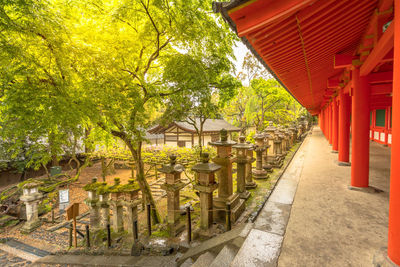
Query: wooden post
[74,229]
[189,224]
[149,219]
[72,213]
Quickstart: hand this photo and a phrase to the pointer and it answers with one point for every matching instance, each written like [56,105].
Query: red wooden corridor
[340,60]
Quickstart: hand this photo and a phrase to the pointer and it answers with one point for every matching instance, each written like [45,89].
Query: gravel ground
[7,259]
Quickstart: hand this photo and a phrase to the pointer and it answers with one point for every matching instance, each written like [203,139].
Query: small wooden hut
[183,134]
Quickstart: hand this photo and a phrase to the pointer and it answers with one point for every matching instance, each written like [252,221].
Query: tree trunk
[53,152]
[141,179]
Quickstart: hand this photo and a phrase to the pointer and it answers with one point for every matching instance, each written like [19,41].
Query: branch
[155,54]
[170,93]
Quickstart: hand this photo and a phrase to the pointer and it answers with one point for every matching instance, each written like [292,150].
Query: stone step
[225,256]
[88,260]
[259,249]
[204,260]
[236,236]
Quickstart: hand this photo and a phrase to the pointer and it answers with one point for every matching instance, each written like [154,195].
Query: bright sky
[240,52]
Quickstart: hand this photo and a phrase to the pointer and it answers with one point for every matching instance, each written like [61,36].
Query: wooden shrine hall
[340,60]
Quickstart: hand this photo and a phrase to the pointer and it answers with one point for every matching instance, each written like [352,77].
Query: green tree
[74,65]
[36,100]
[204,86]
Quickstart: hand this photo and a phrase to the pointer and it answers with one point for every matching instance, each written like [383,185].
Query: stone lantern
[293,132]
[117,206]
[131,201]
[102,192]
[92,202]
[224,175]
[241,160]
[272,158]
[278,149]
[266,163]
[285,142]
[31,198]
[259,172]
[250,184]
[172,186]
[206,185]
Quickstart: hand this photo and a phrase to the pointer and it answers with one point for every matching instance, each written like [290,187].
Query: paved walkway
[263,243]
[329,224]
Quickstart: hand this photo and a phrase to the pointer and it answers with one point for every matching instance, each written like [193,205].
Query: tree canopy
[71,66]
[261,99]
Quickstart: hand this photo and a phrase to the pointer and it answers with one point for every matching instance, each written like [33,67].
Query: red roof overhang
[298,39]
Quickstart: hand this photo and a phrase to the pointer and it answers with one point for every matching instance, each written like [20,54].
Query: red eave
[298,40]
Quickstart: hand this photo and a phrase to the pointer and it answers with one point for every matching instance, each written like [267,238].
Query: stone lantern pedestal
[266,163]
[130,202]
[241,160]
[294,131]
[116,203]
[173,185]
[259,172]
[278,150]
[250,184]
[92,202]
[285,144]
[31,198]
[104,209]
[292,136]
[273,159]
[225,184]
[206,185]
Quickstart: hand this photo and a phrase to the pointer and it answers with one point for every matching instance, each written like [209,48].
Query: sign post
[72,213]
[63,200]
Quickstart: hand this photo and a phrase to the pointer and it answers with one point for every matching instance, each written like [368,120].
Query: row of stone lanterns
[102,198]
[270,146]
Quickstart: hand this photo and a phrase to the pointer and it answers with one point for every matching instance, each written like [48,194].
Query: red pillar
[330,123]
[335,125]
[327,123]
[360,130]
[323,121]
[394,200]
[344,127]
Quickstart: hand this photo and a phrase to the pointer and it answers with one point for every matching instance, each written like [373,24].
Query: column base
[260,174]
[268,168]
[342,163]
[251,185]
[29,227]
[176,229]
[381,259]
[203,234]
[244,195]
[369,189]
[237,208]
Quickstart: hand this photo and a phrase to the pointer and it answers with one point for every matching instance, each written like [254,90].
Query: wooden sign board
[72,211]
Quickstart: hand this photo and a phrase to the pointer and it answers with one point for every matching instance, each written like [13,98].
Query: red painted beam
[381,89]
[385,5]
[321,28]
[333,83]
[381,77]
[385,44]
[249,18]
[343,61]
